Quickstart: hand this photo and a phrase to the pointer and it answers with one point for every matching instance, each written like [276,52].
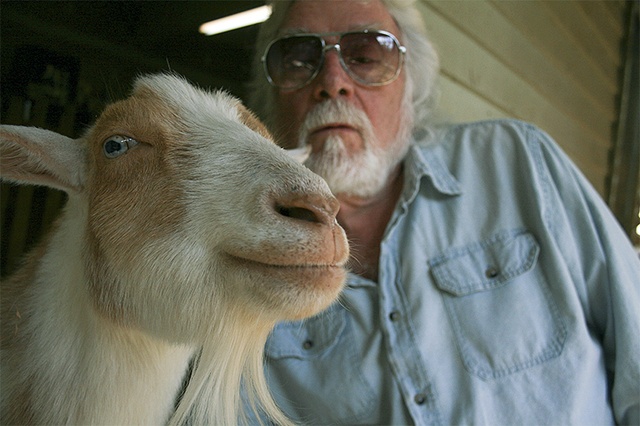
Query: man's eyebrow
[292,31]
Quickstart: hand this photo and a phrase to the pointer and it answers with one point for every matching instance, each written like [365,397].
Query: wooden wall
[553,63]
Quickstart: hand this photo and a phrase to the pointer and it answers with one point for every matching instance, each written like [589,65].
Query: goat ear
[41,157]
[250,120]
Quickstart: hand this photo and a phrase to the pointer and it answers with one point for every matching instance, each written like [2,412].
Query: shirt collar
[424,159]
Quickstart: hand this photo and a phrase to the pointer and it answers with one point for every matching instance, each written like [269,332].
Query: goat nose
[312,208]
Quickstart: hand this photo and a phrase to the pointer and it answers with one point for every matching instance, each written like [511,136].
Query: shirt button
[394,316]
[491,272]
[308,344]
[420,398]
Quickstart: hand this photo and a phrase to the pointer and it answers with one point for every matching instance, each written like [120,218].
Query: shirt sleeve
[605,267]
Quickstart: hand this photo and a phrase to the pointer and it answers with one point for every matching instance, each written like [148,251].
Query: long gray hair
[421,62]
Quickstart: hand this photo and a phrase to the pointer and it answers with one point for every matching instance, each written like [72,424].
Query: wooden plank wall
[552,63]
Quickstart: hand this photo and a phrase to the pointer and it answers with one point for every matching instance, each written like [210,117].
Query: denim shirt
[507,294]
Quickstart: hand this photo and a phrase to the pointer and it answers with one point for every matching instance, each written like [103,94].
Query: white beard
[363,173]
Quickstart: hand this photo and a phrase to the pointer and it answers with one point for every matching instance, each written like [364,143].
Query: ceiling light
[239,20]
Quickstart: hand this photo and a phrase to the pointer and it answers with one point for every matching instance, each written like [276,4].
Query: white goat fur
[173,250]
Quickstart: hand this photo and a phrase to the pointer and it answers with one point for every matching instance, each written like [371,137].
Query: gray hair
[421,62]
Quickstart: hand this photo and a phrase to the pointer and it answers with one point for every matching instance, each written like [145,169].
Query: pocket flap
[485,265]
[307,338]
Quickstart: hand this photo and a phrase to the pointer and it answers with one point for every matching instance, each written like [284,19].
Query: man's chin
[352,179]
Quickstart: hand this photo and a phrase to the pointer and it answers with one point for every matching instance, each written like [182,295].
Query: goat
[187,234]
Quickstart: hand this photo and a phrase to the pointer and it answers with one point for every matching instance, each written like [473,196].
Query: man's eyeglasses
[372,58]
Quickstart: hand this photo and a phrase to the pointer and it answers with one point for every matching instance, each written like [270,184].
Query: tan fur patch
[136,197]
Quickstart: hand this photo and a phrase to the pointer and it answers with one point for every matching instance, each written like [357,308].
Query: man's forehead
[286,31]
[337,16]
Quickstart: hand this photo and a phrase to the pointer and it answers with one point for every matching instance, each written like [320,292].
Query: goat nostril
[298,213]
[309,207]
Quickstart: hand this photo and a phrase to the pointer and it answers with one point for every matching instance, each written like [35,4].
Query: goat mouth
[292,291]
[299,275]
[285,266]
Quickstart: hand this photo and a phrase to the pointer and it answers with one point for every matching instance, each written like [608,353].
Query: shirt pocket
[308,360]
[499,305]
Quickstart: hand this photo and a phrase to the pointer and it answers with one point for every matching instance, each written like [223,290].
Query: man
[490,283]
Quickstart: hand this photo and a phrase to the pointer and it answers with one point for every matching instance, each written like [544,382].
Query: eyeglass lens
[370,58]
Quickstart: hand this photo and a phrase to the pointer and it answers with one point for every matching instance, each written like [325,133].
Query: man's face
[328,130]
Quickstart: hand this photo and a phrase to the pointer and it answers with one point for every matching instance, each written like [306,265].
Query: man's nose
[332,81]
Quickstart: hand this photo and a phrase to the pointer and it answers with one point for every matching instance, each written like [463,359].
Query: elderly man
[489,282]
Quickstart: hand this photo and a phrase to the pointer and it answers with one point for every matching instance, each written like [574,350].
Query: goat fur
[182,247]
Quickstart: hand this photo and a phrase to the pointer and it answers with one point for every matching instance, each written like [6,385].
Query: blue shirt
[507,294]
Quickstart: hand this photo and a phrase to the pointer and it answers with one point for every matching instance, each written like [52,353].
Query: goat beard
[363,173]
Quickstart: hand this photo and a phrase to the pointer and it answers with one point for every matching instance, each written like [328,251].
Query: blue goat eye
[115,146]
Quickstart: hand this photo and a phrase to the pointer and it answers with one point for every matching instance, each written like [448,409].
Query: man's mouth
[332,128]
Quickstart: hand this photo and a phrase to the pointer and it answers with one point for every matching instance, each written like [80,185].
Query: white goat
[187,232]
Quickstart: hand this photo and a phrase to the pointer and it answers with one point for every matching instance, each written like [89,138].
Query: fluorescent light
[239,20]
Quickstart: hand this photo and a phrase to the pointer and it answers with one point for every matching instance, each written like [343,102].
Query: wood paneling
[555,64]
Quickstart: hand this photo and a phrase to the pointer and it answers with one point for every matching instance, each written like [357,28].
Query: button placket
[405,357]
[401,346]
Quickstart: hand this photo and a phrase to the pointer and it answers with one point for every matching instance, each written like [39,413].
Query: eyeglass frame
[326,47]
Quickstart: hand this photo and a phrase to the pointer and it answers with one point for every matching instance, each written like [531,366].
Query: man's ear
[29,155]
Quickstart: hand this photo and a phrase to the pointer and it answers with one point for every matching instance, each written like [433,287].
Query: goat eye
[115,146]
